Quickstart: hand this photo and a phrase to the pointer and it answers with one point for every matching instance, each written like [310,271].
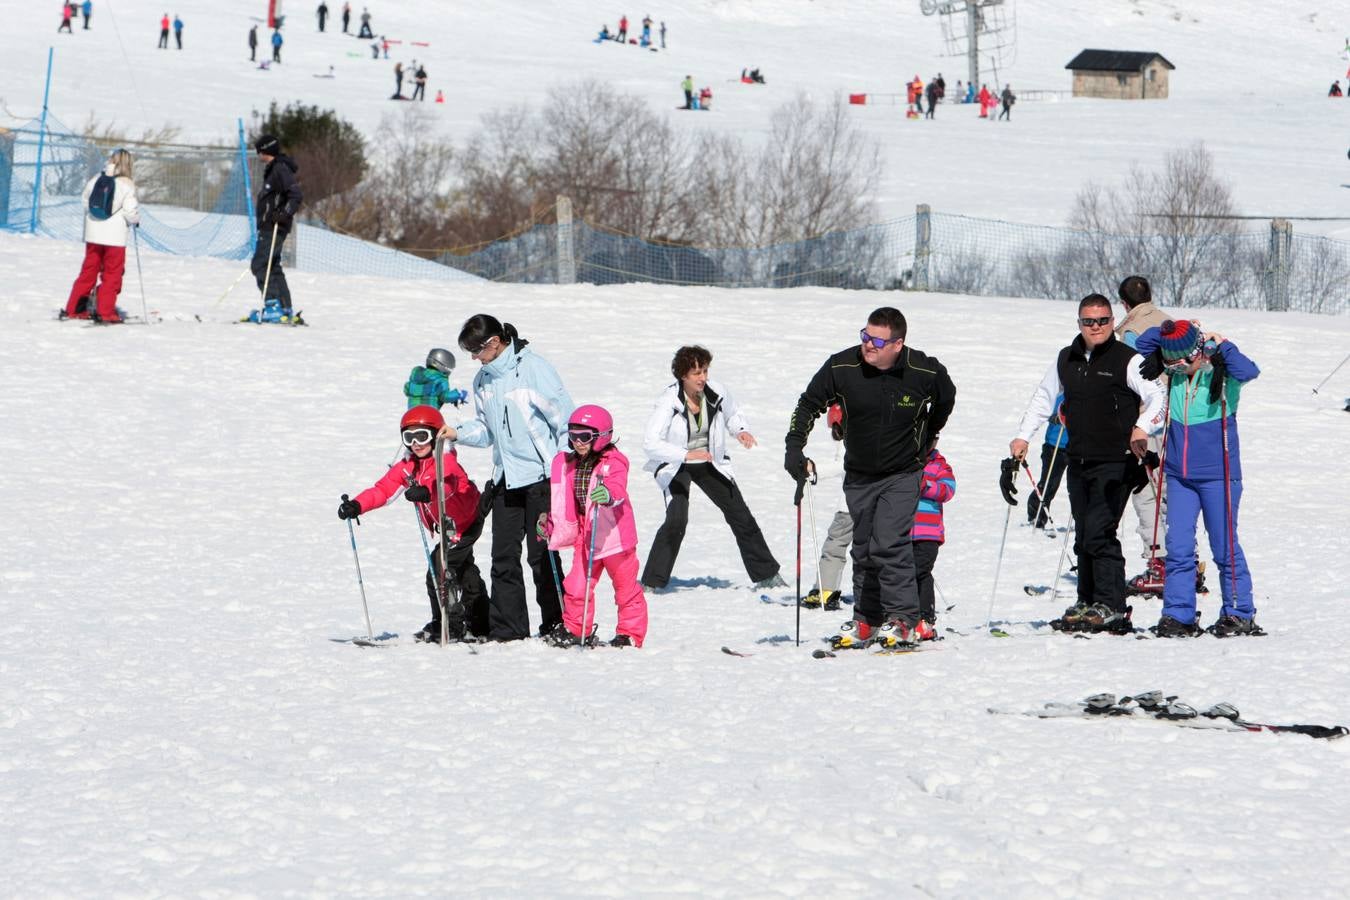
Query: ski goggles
[1088,322]
[582,435]
[876,342]
[417,436]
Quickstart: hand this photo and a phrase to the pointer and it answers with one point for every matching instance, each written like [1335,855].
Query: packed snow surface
[176,719]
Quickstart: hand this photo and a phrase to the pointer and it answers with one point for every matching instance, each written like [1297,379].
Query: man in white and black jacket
[279,199]
[895,400]
[1110,409]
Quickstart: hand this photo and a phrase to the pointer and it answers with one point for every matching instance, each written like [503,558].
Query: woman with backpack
[109,207]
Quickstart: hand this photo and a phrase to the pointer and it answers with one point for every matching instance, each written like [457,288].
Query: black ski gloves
[1139,478]
[349,509]
[1151,461]
[418,493]
[1152,365]
[1007,478]
[796,463]
[488,497]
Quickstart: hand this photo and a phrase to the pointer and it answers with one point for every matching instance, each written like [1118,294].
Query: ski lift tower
[970,27]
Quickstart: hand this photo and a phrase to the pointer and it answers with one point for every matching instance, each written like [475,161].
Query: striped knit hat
[1179,339]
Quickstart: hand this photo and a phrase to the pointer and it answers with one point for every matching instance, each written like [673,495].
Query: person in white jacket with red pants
[686,444]
[105,244]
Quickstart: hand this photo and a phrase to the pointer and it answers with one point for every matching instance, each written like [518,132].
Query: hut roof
[1115,60]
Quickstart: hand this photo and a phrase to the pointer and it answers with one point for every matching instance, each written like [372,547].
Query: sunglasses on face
[585,436]
[474,351]
[1099,321]
[417,436]
[876,342]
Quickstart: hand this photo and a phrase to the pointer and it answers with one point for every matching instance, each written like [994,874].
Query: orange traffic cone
[440,98]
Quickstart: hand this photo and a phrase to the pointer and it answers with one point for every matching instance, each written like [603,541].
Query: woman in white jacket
[686,444]
[105,243]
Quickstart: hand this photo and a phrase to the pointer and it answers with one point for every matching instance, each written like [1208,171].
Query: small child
[415,474]
[1054,460]
[939,486]
[429,385]
[590,490]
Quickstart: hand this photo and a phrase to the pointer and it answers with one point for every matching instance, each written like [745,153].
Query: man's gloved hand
[1151,461]
[1138,477]
[349,509]
[600,495]
[284,219]
[1007,480]
[1152,365]
[797,464]
[418,493]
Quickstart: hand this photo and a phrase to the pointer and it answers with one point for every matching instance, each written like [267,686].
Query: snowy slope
[1250,81]
[174,719]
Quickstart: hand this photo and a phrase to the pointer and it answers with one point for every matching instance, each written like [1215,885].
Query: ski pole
[443,522]
[1037,488]
[998,567]
[797,502]
[351,532]
[1333,372]
[815,540]
[267,278]
[1063,551]
[233,285]
[1040,495]
[136,244]
[1228,498]
[590,562]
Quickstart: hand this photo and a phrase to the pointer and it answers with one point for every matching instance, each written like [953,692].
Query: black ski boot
[1169,627]
[1232,626]
[1072,620]
[1102,619]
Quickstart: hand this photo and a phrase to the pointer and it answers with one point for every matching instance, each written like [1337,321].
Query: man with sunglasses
[1110,409]
[895,400]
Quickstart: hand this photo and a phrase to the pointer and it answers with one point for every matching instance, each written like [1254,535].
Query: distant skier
[276,46]
[178,30]
[67,10]
[279,199]
[622,36]
[663,35]
[164,32]
[253,44]
[346,16]
[106,217]
[429,385]
[933,96]
[1007,98]
[1335,89]
[88,10]
[986,101]
[398,81]
[688,87]
[322,13]
[420,83]
[365,25]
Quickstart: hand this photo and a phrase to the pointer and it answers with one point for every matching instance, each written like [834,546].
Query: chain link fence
[199,199]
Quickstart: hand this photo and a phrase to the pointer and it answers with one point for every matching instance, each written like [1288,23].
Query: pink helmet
[595,418]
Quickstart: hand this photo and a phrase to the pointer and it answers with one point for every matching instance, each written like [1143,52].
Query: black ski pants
[1098,492]
[1048,485]
[467,602]
[276,284]
[884,582]
[726,496]
[925,555]
[514,514]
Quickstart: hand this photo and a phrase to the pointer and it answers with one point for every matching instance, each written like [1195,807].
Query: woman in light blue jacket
[520,411]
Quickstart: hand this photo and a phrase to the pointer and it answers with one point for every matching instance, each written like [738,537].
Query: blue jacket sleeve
[1148,341]
[1239,365]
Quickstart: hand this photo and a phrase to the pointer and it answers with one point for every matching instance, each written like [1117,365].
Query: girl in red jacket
[415,475]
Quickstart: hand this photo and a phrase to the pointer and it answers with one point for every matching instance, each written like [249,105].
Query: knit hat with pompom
[1179,339]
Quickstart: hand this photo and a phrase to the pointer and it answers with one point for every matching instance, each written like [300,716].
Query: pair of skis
[1158,707]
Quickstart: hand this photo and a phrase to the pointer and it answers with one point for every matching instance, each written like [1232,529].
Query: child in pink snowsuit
[590,493]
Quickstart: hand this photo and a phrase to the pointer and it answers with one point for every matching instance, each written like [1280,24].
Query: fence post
[923,234]
[567,263]
[7,142]
[1277,265]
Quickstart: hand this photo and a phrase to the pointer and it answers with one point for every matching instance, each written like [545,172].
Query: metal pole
[351,532]
[998,567]
[1333,372]
[136,243]
[42,137]
[248,191]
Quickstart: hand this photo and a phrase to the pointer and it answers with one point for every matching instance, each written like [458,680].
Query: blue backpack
[101,197]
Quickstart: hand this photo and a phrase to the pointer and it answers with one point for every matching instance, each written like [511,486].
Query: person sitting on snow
[705,98]
[604,33]
[1335,89]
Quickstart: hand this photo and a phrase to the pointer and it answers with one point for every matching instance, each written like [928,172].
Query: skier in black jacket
[279,200]
[1110,409]
[895,401]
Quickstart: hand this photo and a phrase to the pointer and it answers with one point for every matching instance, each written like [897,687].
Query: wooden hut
[1120,74]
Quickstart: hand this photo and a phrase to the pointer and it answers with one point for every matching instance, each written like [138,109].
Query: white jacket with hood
[666,440]
[112,231]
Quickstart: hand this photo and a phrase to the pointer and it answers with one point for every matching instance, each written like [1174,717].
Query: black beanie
[268,144]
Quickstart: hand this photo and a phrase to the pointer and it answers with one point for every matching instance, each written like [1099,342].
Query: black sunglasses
[1100,320]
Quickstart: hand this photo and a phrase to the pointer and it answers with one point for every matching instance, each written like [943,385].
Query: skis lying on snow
[385,639]
[1155,706]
